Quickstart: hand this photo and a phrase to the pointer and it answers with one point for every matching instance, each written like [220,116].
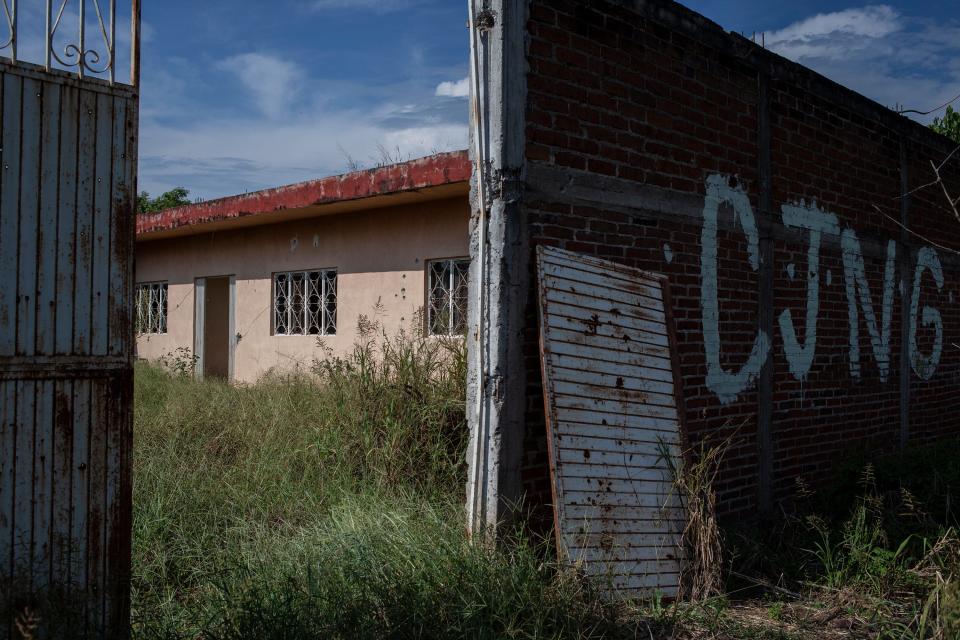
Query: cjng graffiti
[800,350]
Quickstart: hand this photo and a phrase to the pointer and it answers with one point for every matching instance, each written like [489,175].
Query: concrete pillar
[496,397]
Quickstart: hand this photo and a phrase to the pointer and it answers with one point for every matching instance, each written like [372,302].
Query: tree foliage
[948,125]
[173,198]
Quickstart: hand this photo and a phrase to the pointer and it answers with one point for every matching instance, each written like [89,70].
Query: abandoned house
[271,280]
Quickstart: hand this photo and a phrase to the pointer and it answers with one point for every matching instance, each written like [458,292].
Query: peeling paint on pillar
[495,337]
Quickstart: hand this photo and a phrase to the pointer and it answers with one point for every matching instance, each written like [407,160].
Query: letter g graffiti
[926,366]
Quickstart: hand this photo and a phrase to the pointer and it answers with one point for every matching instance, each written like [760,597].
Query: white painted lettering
[727,385]
[817,222]
[926,366]
[855,278]
[801,353]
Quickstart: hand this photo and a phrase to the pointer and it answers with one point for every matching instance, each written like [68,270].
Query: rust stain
[606,542]
[64,412]
[593,325]
[86,246]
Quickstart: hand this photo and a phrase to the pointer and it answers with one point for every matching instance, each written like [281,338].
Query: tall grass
[373,568]
[397,404]
[330,506]
[694,479]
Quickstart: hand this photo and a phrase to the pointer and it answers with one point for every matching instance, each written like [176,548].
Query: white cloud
[457,89]
[231,149]
[872,21]
[273,83]
[893,58]
[836,34]
[233,156]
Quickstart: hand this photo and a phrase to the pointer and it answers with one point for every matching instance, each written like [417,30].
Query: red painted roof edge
[423,173]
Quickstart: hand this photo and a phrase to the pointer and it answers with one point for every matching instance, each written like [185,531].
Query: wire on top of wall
[934,110]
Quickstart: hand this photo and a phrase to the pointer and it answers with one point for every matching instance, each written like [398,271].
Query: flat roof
[435,177]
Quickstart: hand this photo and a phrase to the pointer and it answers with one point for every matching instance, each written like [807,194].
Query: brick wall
[639,114]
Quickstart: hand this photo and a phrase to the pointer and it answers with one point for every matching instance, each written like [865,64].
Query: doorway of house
[213,334]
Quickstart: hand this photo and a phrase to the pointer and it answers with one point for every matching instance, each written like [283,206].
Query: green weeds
[330,506]
[879,552]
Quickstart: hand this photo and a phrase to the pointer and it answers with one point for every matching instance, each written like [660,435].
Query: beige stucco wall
[379,255]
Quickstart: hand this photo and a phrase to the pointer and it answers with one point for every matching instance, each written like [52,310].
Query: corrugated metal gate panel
[67,195]
[612,394]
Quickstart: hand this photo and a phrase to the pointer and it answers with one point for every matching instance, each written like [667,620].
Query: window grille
[305,303]
[448,291]
[151,308]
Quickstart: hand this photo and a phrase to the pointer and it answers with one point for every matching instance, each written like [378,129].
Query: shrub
[180,362]
[399,402]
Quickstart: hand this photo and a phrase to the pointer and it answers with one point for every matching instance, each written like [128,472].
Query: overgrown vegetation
[875,554]
[330,506]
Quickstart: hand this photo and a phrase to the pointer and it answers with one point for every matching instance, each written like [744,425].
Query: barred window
[447,307]
[151,304]
[305,303]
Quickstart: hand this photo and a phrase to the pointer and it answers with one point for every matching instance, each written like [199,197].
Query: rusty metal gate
[68,153]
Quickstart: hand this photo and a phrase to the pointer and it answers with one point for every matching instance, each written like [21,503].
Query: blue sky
[239,96]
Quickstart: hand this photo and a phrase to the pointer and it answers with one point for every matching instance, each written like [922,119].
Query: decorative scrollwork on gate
[91,51]
[10,14]
[77,54]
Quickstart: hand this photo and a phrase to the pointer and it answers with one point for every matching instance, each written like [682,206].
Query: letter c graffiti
[726,384]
